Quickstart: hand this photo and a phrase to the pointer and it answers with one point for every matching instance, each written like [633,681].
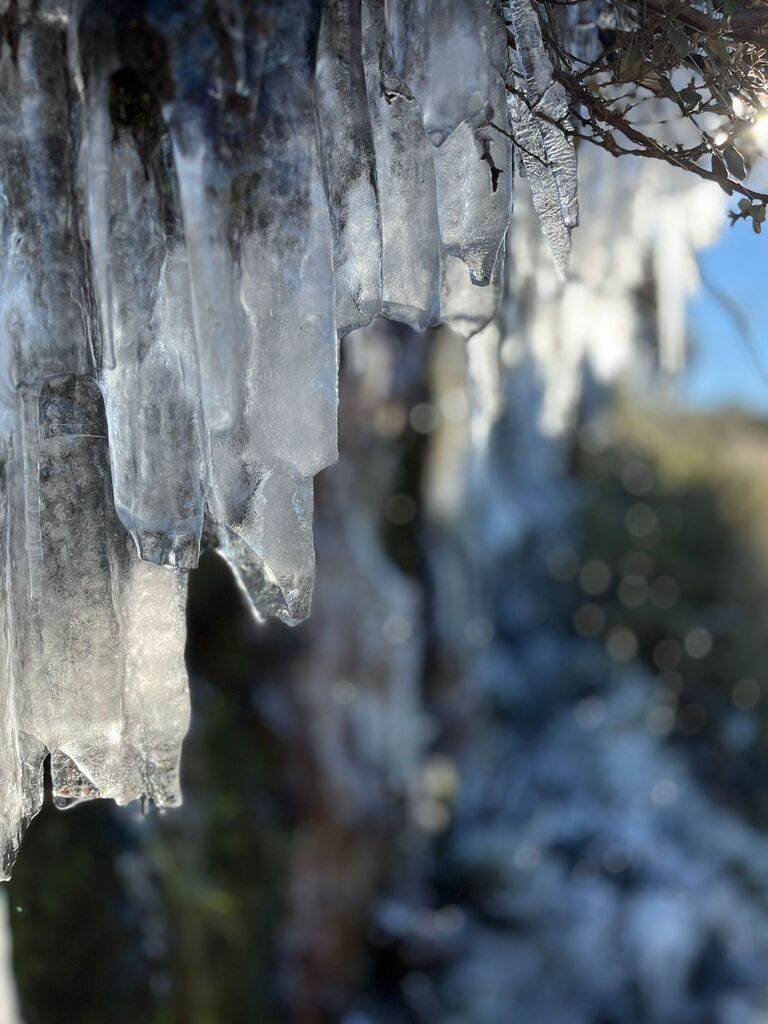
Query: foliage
[672,576]
[682,82]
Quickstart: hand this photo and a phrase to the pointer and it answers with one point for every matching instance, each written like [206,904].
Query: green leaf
[632,64]
[679,40]
[654,81]
[718,50]
[690,96]
[734,161]
[718,167]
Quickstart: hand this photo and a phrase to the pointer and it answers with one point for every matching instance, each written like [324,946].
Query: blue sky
[722,371]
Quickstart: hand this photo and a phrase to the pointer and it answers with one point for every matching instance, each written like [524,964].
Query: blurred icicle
[464,306]
[474,173]
[538,111]
[687,221]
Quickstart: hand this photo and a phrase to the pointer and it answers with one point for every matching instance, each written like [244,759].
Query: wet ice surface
[196,202]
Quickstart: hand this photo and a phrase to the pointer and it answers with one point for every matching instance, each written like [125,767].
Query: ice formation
[196,202]
[538,107]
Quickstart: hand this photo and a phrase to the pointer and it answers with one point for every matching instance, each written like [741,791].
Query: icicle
[96,659]
[406,179]
[285,267]
[475,185]
[152,393]
[30,461]
[20,794]
[69,785]
[40,189]
[210,120]
[196,200]
[271,551]
[256,221]
[218,334]
[474,190]
[41,326]
[96,588]
[148,365]
[293,362]
[538,111]
[466,307]
[475,172]
[440,51]
[150,606]
[233,17]
[97,133]
[349,165]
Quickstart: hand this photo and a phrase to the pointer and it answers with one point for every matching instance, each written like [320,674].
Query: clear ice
[538,113]
[349,165]
[442,55]
[197,201]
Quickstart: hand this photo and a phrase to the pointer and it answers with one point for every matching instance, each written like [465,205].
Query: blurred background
[515,766]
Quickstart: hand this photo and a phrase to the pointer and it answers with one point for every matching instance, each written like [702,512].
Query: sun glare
[759,132]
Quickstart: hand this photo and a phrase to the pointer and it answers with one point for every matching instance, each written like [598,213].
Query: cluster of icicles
[197,200]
